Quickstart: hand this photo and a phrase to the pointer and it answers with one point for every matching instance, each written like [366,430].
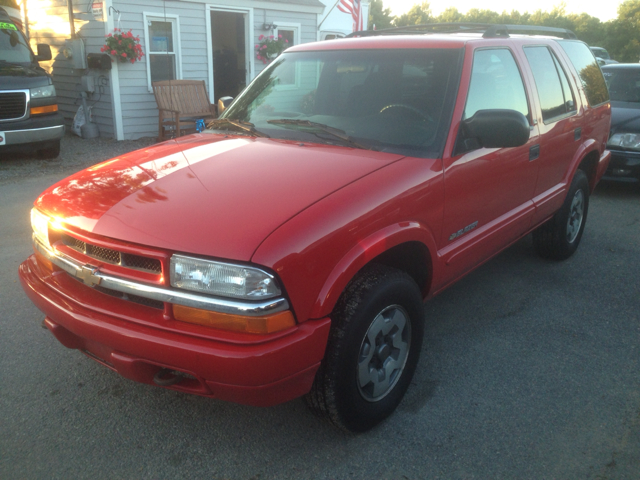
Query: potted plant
[270,47]
[123,46]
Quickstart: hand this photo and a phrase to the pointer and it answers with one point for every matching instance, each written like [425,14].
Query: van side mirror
[498,128]
[44,52]
[223,103]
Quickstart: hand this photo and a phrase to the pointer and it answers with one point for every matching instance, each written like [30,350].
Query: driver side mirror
[223,103]
[44,52]
[498,128]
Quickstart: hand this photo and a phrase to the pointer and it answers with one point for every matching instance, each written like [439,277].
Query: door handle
[534,152]
[577,133]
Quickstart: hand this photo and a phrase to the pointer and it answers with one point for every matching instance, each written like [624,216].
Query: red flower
[113,52]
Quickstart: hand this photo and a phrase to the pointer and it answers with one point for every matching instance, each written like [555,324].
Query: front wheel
[372,352]
[558,238]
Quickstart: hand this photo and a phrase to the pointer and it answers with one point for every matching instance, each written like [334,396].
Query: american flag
[354,7]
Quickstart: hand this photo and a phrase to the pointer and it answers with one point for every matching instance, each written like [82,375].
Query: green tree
[450,15]
[623,34]
[379,16]
[419,14]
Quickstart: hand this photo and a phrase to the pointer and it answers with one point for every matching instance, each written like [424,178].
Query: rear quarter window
[590,74]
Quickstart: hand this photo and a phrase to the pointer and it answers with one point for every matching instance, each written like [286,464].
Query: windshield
[624,85]
[397,101]
[600,52]
[13,46]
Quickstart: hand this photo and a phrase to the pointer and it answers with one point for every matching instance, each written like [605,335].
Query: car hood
[625,117]
[208,194]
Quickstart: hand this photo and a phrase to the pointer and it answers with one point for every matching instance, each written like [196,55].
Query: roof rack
[488,30]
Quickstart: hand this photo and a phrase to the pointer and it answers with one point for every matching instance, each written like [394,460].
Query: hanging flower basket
[270,47]
[123,46]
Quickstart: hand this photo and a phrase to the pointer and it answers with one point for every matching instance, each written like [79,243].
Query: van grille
[13,105]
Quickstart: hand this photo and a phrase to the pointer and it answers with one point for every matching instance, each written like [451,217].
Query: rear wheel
[558,238]
[372,352]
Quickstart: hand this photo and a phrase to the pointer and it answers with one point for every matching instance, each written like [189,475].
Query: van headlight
[222,279]
[47,91]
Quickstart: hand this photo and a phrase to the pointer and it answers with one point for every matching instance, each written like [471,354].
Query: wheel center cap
[383,351]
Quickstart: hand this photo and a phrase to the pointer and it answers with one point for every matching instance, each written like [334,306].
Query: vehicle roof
[451,40]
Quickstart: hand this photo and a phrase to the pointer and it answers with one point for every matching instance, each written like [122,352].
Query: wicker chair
[181,103]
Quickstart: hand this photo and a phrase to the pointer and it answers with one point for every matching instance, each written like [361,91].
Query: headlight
[40,226]
[43,92]
[630,141]
[223,279]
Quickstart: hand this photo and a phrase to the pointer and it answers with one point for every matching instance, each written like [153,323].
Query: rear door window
[554,93]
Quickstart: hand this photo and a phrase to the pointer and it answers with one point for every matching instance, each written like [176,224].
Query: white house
[210,40]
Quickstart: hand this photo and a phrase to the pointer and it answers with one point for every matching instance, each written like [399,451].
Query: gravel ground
[75,154]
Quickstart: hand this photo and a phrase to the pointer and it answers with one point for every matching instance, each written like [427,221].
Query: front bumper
[261,370]
[624,164]
[47,128]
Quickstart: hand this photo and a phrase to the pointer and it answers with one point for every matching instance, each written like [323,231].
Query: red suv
[288,249]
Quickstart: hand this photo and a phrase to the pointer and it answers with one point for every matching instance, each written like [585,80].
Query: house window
[291,33]
[163,48]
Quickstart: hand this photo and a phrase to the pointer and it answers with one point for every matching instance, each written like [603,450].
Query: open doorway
[229,48]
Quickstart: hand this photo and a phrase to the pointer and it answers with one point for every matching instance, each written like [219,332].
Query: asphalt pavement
[530,369]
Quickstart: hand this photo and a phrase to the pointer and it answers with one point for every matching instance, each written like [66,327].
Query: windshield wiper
[245,126]
[14,64]
[314,127]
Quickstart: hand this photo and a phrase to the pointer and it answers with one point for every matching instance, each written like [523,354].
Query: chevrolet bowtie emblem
[88,275]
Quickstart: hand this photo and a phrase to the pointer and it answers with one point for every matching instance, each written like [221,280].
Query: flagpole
[330,10]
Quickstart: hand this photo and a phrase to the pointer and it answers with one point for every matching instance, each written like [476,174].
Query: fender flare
[365,251]
[583,151]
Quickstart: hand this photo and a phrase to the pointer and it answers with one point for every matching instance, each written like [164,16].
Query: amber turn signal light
[237,323]
[46,109]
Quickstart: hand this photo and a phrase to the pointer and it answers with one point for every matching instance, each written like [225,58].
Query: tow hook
[166,377]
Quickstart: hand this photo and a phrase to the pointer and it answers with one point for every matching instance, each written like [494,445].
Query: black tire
[50,151]
[559,237]
[380,302]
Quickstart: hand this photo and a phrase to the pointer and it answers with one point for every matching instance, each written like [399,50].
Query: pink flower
[286,41]
[279,36]
[271,37]
[119,42]
[259,57]
[113,52]
[264,61]
[261,37]
[133,60]
[257,46]
[263,47]
[124,55]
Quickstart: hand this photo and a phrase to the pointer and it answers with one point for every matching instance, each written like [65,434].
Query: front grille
[13,105]
[104,254]
[136,262]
